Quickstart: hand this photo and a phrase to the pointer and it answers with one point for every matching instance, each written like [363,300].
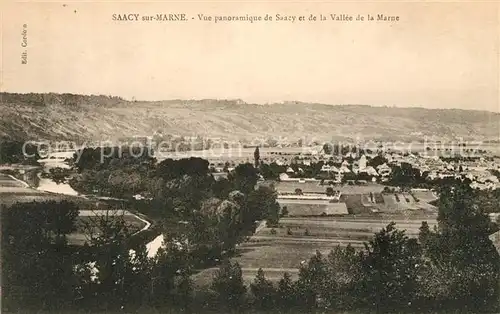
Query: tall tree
[256,157]
[263,291]
[327,149]
[286,292]
[464,231]
[344,278]
[37,263]
[228,284]
[262,204]
[311,284]
[244,178]
[389,264]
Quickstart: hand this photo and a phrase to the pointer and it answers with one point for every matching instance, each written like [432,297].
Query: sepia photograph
[220,156]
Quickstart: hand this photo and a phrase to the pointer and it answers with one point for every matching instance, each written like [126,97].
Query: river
[36,180]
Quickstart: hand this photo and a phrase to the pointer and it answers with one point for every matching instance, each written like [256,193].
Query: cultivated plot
[283,249]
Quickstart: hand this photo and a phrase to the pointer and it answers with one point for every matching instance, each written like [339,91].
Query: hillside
[77,117]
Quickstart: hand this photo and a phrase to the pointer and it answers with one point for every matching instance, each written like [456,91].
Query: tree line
[11,152]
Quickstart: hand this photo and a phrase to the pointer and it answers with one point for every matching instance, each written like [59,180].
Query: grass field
[86,220]
[401,202]
[315,187]
[12,191]
[306,187]
[354,203]
[312,207]
[284,249]
[424,196]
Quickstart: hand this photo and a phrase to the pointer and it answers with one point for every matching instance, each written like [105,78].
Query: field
[361,204]
[306,230]
[312,207]
[315,187]
[298,238]
[424,196]
[397,202]
[12,191]
[88,219]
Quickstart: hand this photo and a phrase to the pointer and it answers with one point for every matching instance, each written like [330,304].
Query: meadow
[283,249]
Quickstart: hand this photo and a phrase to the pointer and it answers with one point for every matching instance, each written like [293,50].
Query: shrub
[284,211]
[273,231]
[289,231]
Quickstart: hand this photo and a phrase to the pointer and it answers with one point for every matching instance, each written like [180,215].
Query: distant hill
[78,117]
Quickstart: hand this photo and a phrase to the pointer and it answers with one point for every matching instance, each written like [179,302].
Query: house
[220,175]
[362,162]
[325,168]
[384,170]
[139,197]
[279,162]
[370,171]
[492,179]
[334,169]
[477,185]
[355,169]
[423,168]
[338,177]
[450,167]
[284,177]
[351,154]
[328,168]
[432,175]
[344,169]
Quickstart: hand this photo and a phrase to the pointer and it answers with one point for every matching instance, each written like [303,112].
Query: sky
[439,55]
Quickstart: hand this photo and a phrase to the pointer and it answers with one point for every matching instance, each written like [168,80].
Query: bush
[289,231]
[273,231]
[284,211]
[306,233]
